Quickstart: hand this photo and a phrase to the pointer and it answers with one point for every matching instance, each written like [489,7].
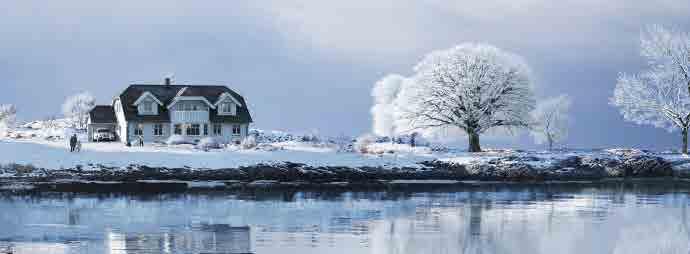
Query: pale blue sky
[310,64]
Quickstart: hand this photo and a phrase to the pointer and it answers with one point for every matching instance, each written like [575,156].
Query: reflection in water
[465,220]
[213,238]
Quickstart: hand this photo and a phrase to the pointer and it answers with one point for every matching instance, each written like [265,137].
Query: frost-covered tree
[660,95]
[77,108]
[550,120]
[473,87]
[8,114]
[385,93]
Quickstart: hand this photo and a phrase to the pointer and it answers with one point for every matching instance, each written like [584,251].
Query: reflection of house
[155,112]
[209,238]
[222,238]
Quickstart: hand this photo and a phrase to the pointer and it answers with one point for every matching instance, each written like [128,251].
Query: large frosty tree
[473,87]
[77,108]
[660,95]
[550,120]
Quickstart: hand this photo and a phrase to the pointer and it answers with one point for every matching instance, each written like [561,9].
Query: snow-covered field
[43,145]
[55,155]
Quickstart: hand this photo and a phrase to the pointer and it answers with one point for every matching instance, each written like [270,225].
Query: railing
[188,116]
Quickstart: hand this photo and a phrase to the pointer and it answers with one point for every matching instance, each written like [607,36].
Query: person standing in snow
[77,146]
[72,142]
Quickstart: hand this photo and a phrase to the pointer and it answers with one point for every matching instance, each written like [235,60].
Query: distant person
[77,146]
[141,141]
[72,142]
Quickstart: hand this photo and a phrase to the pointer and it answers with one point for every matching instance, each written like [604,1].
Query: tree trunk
[550,140]
[684,149]
[473,142]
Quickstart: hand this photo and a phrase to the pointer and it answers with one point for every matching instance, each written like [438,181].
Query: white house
[155,112]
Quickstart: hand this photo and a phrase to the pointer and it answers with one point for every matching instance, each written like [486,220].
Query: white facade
[121,129]
[189,117]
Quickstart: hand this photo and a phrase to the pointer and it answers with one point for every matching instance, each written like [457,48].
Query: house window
[193,130]
[148,107]
[226,108]
[158,130]
[205,129]
[178,129]
[217,129]
[236,129]
[139,130]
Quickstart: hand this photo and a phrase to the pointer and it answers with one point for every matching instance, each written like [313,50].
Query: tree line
[476,89]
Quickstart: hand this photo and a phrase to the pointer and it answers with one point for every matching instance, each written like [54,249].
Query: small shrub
[362,143]
[178,140]
[21,169]
[249,142]
[209,143]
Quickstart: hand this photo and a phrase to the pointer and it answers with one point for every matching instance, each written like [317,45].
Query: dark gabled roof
[166,94]
[102,114]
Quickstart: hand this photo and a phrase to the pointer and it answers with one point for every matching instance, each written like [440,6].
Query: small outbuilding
[102,117]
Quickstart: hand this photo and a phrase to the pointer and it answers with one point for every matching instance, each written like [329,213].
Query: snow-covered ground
[43,145]
[55,155]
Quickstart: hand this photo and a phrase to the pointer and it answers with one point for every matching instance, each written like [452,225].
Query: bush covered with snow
[363,142]
[382,148]
[178,140]
[210,143]
[249,142]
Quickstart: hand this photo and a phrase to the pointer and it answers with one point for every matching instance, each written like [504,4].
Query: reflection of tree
[684,215]
[73,216]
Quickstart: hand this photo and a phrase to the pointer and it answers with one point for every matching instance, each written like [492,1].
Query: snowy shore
[32,161]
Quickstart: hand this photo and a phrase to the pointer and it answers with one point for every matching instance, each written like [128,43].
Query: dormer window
[147,104]
[148,107]
[227,104]
[226,108]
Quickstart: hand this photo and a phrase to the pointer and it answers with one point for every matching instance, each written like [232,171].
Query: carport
[102,117]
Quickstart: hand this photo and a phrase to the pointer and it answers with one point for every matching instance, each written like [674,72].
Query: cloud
[361,28]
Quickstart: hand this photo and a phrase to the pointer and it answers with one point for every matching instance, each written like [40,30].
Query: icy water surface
[488,219]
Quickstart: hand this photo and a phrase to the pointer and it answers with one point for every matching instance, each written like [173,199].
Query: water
[509,219]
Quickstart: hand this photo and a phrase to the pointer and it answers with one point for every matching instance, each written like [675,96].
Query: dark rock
[456,170]
[645,166]
[576,167]
[503,170]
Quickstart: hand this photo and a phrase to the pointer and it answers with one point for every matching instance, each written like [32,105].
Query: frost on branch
[77,108]
[659,96]
[550,120]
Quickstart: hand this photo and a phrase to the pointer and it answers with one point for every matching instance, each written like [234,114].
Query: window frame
[147,107]
[177,129]
[139,130]
[205,129]
[217,129]
[193,128]
[158,130]
[236,130]
[225,108]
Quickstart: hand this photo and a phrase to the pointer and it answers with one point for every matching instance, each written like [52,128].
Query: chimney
[167,81]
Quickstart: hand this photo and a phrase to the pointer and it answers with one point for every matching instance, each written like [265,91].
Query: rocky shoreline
[503,169]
